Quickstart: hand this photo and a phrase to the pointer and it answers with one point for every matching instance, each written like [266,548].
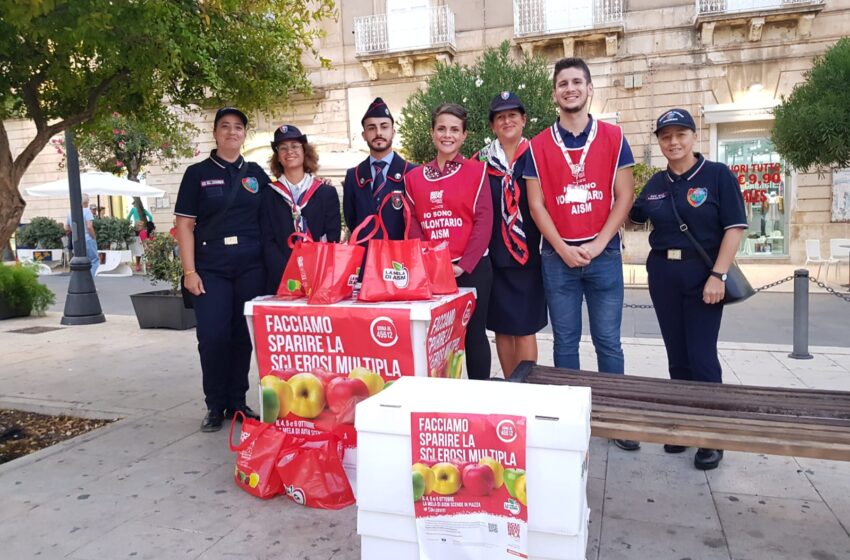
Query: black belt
[679,254]
[232,240]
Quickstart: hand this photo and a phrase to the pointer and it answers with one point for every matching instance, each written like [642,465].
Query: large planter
[161,309]
[8,312]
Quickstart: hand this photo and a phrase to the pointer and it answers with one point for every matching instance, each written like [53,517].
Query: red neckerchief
[297,206]
[513,233]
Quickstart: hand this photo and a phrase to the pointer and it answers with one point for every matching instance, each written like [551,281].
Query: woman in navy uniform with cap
[217,226]
[517,309]
[296,202]
[686,293]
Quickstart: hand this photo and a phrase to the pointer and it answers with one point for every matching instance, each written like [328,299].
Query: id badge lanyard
[574,192]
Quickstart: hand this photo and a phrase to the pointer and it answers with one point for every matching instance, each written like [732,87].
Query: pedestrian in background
[687,294]
[89,233]
[218,230]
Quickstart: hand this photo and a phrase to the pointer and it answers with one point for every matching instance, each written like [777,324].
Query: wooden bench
[777,421]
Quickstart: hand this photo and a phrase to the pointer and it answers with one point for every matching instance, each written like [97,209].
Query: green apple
[271,404]
[418,486]
[511,476]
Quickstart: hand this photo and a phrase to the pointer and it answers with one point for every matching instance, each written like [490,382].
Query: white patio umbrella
[96,183]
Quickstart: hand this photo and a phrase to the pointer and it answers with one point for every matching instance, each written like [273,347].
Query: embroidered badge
[505,95]
[657,196]
[386,111]
[396,200]
[697,196]
[251,185]
[283,129]
[211,182]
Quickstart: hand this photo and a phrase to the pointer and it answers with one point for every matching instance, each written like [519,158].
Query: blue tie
[380,180]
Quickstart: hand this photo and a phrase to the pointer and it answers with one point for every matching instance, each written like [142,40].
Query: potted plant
[41,233]
[162,309]
[21,293]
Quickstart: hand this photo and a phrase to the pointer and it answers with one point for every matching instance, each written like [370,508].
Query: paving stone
[832,481]
[142,541]
[628,539]
[761,475]
[759,528]
[152,478]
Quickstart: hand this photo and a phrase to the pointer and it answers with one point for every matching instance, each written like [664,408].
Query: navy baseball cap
[675,117]
[287,132]
[505,101]
[230,111]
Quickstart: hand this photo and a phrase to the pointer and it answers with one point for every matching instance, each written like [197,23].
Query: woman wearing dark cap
[296,202]
[218,231]
[450,203]
[686,292]
[517,303]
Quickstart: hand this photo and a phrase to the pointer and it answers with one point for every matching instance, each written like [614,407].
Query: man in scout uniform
[580,190]
[379,176]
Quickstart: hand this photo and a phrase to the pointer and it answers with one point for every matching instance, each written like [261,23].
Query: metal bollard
[801,315]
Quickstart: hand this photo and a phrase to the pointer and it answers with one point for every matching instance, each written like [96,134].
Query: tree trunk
[12,206]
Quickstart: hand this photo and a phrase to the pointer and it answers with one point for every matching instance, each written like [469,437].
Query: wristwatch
[721,275]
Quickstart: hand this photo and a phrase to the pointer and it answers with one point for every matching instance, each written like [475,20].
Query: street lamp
[82,306]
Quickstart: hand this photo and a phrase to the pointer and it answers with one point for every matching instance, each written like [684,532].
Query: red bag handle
[298,236]
[250,439]
[407,216]
[354,234]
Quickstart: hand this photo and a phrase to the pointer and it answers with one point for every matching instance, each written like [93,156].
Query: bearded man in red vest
[580,191]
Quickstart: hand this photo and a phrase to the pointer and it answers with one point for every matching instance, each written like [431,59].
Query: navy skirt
[517,302]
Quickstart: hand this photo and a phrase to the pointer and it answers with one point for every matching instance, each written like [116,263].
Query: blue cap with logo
[230,111]
[287,132]
[505,101]
[675,117]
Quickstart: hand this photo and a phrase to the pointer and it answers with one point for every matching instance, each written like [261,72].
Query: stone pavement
[152,486]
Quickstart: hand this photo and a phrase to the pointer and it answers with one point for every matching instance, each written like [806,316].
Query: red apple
[344,392]
[478,479]
[284,374]
[325,376]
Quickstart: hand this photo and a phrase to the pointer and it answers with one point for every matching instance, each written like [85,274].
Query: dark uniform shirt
[707,197]
[205,190]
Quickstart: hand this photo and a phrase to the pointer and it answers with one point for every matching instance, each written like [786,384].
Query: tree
[473,87]
[64,63]
[812,127]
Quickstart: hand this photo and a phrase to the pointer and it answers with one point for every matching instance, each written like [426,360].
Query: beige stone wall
[660,43]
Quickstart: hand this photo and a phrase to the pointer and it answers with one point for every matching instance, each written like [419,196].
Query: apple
[511,476]
[283,391]
[344,392]
[418,486]
[520,490]
[308,395]
[271,405]
[253,480]
[325,376]
[478,479]
[283,374]
[498,470]
[372,380]
[427,476]
[446,479]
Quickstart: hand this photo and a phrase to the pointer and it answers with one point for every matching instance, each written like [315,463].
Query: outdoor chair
[813,256]
[839,249]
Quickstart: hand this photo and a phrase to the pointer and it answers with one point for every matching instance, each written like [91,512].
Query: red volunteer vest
[576,220]
[445,207]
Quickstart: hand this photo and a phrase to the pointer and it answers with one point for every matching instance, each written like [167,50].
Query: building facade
[729,62]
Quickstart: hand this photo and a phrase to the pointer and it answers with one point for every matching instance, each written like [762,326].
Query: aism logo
[398,275]
[436,197]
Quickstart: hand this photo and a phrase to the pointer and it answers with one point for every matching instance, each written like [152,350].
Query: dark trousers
[689,326]
[477,345]
[232,275]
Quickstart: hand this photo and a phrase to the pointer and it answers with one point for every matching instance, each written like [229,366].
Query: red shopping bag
[311,471]
[395,269]
[258,450]
[336,267]
[438,264]
[292,282]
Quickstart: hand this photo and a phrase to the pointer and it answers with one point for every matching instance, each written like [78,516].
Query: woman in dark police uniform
[218,231]
[687,295]
[517,308]
[297,201]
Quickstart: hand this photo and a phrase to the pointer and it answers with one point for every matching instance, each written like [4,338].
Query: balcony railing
[415,29]
[541,17]
[711,7]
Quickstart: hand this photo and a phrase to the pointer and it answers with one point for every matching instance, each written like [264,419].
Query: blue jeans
[601,284]
[91,253]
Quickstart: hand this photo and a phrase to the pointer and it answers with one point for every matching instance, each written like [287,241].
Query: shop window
[764,181]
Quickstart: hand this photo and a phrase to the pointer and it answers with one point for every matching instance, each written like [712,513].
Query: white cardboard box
[557,439]
[385,536]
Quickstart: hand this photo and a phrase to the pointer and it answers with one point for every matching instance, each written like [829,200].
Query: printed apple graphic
[372,380]
[427,476]
[498,471]
[418,485]
[283,374]
[308,395]
[325,376]
[478,479]
[283,391]
[446,479]
[511,476]
[520,490]
[271,405]
[344,392]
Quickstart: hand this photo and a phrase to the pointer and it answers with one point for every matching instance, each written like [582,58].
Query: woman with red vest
[451,203]
[297,201]
[517,301]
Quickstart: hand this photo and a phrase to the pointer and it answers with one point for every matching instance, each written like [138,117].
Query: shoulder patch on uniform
[251,184]
[696,196]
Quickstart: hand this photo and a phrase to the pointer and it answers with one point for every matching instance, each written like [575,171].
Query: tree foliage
[41,233]
[812,127]
[474,87]
[64,63]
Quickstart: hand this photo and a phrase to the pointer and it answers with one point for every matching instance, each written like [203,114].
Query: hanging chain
[845,297]
[774,284]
